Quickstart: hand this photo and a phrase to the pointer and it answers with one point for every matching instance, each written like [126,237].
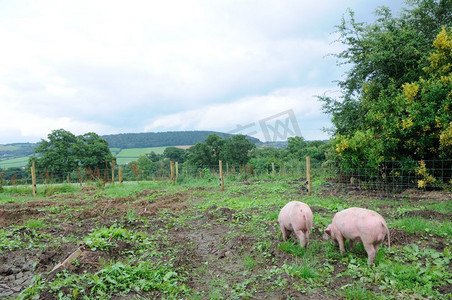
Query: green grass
[249,262]
[127,155]
[35,223]
[421,225]
[21,238]
[358,292]
[115,151]
[14,162]
[262,261]
[123,156]
[8,147]
[443,207]
[120,279]
[303,270]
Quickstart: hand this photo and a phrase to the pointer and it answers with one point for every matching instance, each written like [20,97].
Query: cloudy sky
[249,66]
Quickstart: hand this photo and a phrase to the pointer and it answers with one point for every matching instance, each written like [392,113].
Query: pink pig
[358,224]
[296,217]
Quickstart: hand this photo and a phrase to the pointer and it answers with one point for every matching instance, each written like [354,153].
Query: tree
[262,159]
[63,152]
[146,166]
[174,154]
[237,150]
[200,155]
[154,156]
[396,95]
[58,154]
[295,145]
[216,144]
[92,151]
[382,57]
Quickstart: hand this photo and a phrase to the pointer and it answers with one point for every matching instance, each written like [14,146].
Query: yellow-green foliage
[426,177]
[445,139]
[411,120]
[410,91]
[440,60]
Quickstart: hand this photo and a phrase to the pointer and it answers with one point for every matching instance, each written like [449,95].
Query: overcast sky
[251,67]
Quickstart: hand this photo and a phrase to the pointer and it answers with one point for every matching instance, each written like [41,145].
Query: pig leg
[340,241]
[285,233]
[351,245]
[301,236]
[370,249]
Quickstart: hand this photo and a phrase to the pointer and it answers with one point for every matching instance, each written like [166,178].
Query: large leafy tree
[63,152]
[200,155]
[92,151]
[237,150]
[396,94]
[216,144]
[174,154]
[58,154]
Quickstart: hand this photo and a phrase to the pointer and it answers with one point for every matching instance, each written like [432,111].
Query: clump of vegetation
[395,103]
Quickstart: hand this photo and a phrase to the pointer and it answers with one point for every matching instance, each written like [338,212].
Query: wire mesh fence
[396,176]
[159,172]
[388,177]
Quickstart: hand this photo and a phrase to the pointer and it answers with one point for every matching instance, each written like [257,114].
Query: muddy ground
[206,237]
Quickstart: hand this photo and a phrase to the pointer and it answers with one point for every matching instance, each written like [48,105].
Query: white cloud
[249,110]
[23,126]
[114,65]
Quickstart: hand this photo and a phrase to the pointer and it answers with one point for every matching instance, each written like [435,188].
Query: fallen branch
[68,260]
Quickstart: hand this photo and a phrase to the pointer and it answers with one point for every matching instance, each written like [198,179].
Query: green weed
[35,223]
[358,292]
[418,224]
[104,238]
[120,279]
[9,241]
[20,238]
[304,270]
[249,262]
[443,207]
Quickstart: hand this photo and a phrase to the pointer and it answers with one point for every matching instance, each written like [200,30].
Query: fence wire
[388,177]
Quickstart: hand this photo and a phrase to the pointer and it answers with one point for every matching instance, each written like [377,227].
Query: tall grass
[418,224]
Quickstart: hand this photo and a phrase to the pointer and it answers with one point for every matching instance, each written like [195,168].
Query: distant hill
[122,141]
[16,150]
[161,139]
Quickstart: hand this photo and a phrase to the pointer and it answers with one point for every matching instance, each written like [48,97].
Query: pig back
[295,212]
[360,223]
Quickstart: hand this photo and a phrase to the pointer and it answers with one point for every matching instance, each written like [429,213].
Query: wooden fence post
[173,179]
[33,179]
[308,174]
[79,174]
[120,174]
[221,175]
[112,171]
[177,169]
[273,168]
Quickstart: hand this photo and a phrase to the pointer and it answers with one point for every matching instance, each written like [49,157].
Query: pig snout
[327,233]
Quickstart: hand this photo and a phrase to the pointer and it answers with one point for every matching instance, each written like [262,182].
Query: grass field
[123,156]
[14,162]
[127,155]
[191,241]
[8,147]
